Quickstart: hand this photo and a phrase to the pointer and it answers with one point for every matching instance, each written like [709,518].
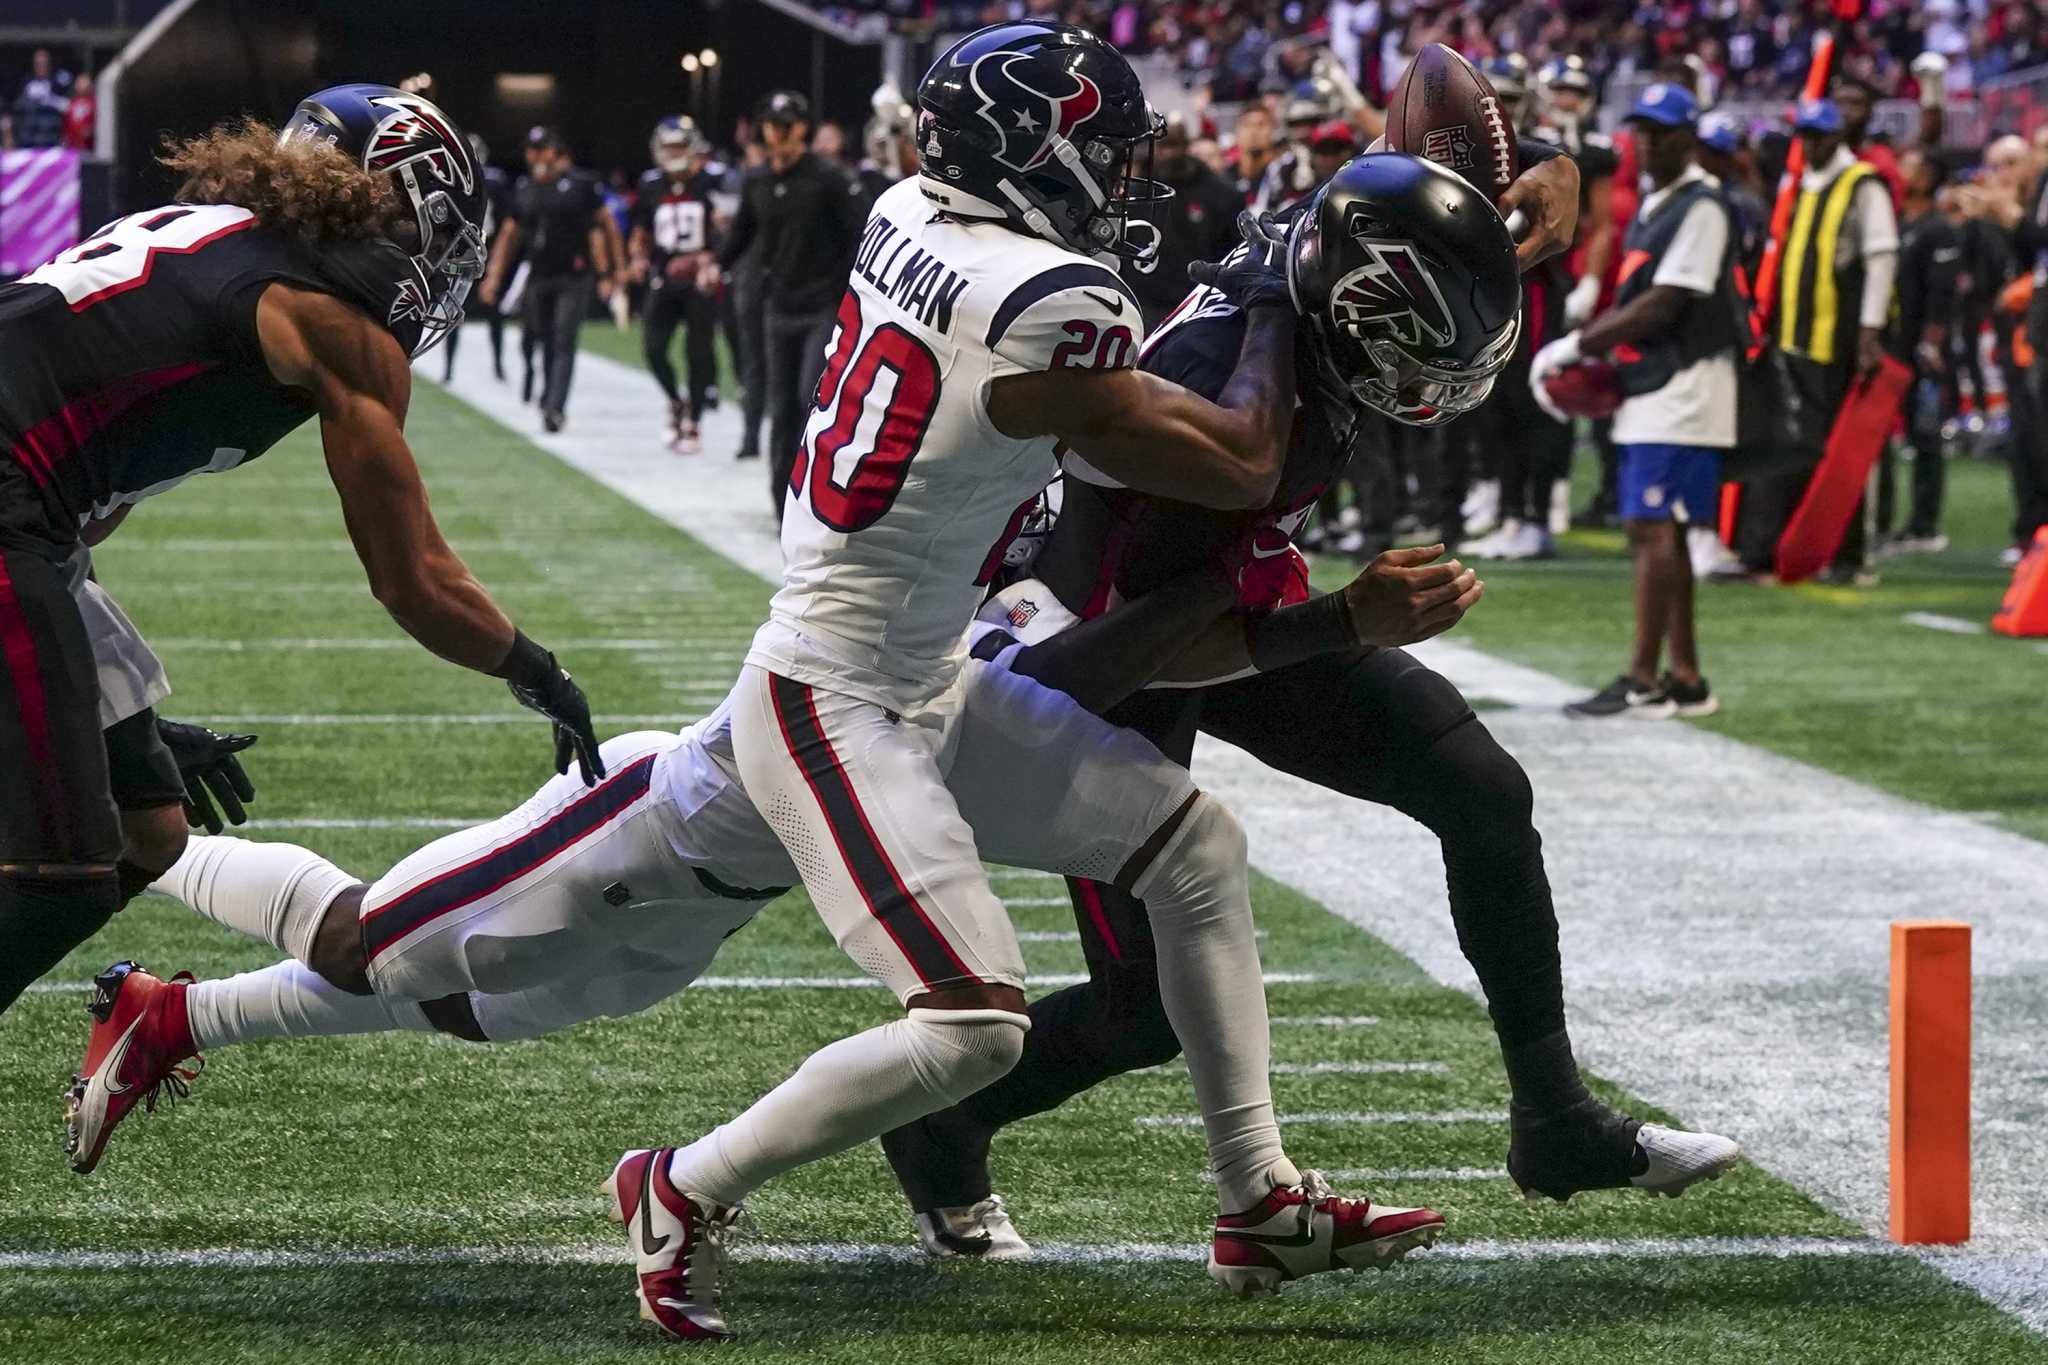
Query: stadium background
[408,1198]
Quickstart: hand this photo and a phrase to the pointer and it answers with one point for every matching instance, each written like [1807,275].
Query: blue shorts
[1660,482]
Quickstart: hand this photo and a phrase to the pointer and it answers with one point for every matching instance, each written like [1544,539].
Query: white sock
[290,1000]
[1197,895]
[852,1090]
[273,892]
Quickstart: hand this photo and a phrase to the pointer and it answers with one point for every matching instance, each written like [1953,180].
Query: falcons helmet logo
[408,304]
[415,131]
[1025,118]
[1394,295]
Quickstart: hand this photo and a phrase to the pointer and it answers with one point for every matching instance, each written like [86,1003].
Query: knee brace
[956,1052]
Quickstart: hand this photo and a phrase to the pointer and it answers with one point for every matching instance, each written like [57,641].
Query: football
[1589,388]
[1446,111]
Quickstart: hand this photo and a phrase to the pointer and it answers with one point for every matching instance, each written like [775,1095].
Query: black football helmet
[1039,124]
[677,145]
[1411,279]
[437,177]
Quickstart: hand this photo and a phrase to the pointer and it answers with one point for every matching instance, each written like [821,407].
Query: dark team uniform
[677,220]
[498,194]
[1371,723]
[127,365]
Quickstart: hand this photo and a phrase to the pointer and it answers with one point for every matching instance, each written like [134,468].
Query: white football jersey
[904,488]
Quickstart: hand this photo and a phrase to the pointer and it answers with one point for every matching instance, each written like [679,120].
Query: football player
[292,279]
[669,248]
[498,205]
[1410,303]
[980,329]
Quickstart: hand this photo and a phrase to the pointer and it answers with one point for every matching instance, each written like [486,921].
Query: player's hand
[708,275]
[1580,303]
[1869,354]
[1547,196]
[211,772]
[559,699]
[1255,274]
[1401,597]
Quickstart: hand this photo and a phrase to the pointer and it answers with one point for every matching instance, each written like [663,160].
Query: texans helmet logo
[1026,118]
[416,131]
[1393,294]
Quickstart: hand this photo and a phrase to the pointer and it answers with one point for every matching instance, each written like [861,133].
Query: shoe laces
[175,1084]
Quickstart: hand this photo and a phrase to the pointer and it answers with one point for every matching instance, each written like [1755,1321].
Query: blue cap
[1818,116]
[1662,102]
[1720,131]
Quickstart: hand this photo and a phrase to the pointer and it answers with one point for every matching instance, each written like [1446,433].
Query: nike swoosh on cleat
[111,1067]
[649,1243]
[1304,1234]
[1112,302]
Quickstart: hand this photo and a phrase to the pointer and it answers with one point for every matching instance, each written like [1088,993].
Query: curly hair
[307,188]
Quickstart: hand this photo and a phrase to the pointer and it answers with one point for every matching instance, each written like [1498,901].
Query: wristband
[1289,635]
[526,664]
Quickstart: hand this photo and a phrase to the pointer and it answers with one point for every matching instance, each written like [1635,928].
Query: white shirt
[1870,229]
[884,546]
[1697,408]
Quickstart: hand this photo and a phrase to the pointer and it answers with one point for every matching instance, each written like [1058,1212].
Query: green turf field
[407,1198]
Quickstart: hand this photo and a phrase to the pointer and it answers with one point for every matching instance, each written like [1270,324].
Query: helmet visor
[1392,381]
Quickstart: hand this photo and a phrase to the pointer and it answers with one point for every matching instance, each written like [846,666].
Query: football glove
[553,693]
[211,772]
[1253,275]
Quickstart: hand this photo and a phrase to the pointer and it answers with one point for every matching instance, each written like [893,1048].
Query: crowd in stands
[50,107]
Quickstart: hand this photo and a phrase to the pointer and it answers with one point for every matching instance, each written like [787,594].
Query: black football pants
[1376,725]
[59,835]
[555,308]
[670,307]
[794,345]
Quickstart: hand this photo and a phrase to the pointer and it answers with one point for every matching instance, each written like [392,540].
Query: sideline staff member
[806,214]
[559,220]
[1674,315]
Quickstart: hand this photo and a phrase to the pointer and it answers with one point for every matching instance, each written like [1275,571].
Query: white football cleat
[678,1241]
[1679,1160]
[1304,1229]
[977,1232]
[1481,508]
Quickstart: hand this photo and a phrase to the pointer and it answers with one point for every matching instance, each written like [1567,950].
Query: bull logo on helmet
[415,131]
[1394,295]
[1026,118]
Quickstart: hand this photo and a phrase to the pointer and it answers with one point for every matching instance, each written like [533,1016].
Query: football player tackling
[291,281]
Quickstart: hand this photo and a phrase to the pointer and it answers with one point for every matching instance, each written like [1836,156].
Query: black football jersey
[131,362]
[1133,542]
[677,217]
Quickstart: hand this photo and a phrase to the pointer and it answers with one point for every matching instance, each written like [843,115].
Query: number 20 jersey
[903,486]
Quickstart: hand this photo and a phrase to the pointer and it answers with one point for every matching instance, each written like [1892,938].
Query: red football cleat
[679,1242]
[139,1037]
[1304,1229]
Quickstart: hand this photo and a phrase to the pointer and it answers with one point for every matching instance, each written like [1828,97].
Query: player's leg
[59,835]
[571,301]
[150,796]
[857,797]
[1081,1035]
[1392,731]
[1046,784]
[658,323]
[701,323]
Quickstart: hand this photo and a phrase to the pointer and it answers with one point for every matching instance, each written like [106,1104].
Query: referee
[803,216]
[570,241]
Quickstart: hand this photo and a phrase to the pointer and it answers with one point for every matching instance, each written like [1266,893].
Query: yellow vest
[1810,320]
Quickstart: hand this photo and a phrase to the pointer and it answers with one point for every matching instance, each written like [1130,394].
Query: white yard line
[1324,1021]
[1033,981]
[1725,930]
[1345,1117]
[1953,625]
[860,1253]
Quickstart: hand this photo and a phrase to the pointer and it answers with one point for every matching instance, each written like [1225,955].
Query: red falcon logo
[1030,118]
[1393,294]
[416,131]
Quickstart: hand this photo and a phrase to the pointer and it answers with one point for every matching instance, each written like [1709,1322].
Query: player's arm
[99,528]
[1154,436]
[1101,661]
[637,254]
[360,384]
[1546,194]
[505,247]
[607,251]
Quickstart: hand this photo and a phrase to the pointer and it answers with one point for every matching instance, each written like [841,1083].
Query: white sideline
[1713,962]
[860,1253]
[1032,981]
[1344,1117]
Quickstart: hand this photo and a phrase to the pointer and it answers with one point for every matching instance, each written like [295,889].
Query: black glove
[207,763]
[540,684]
[1255,274]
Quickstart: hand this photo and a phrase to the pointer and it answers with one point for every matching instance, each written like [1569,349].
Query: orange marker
[1930,1082]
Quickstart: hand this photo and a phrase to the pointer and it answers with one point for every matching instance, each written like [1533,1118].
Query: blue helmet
[677,144]
[431,165]
[1039,125]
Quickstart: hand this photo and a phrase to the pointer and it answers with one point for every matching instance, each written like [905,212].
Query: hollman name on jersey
[917,283]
